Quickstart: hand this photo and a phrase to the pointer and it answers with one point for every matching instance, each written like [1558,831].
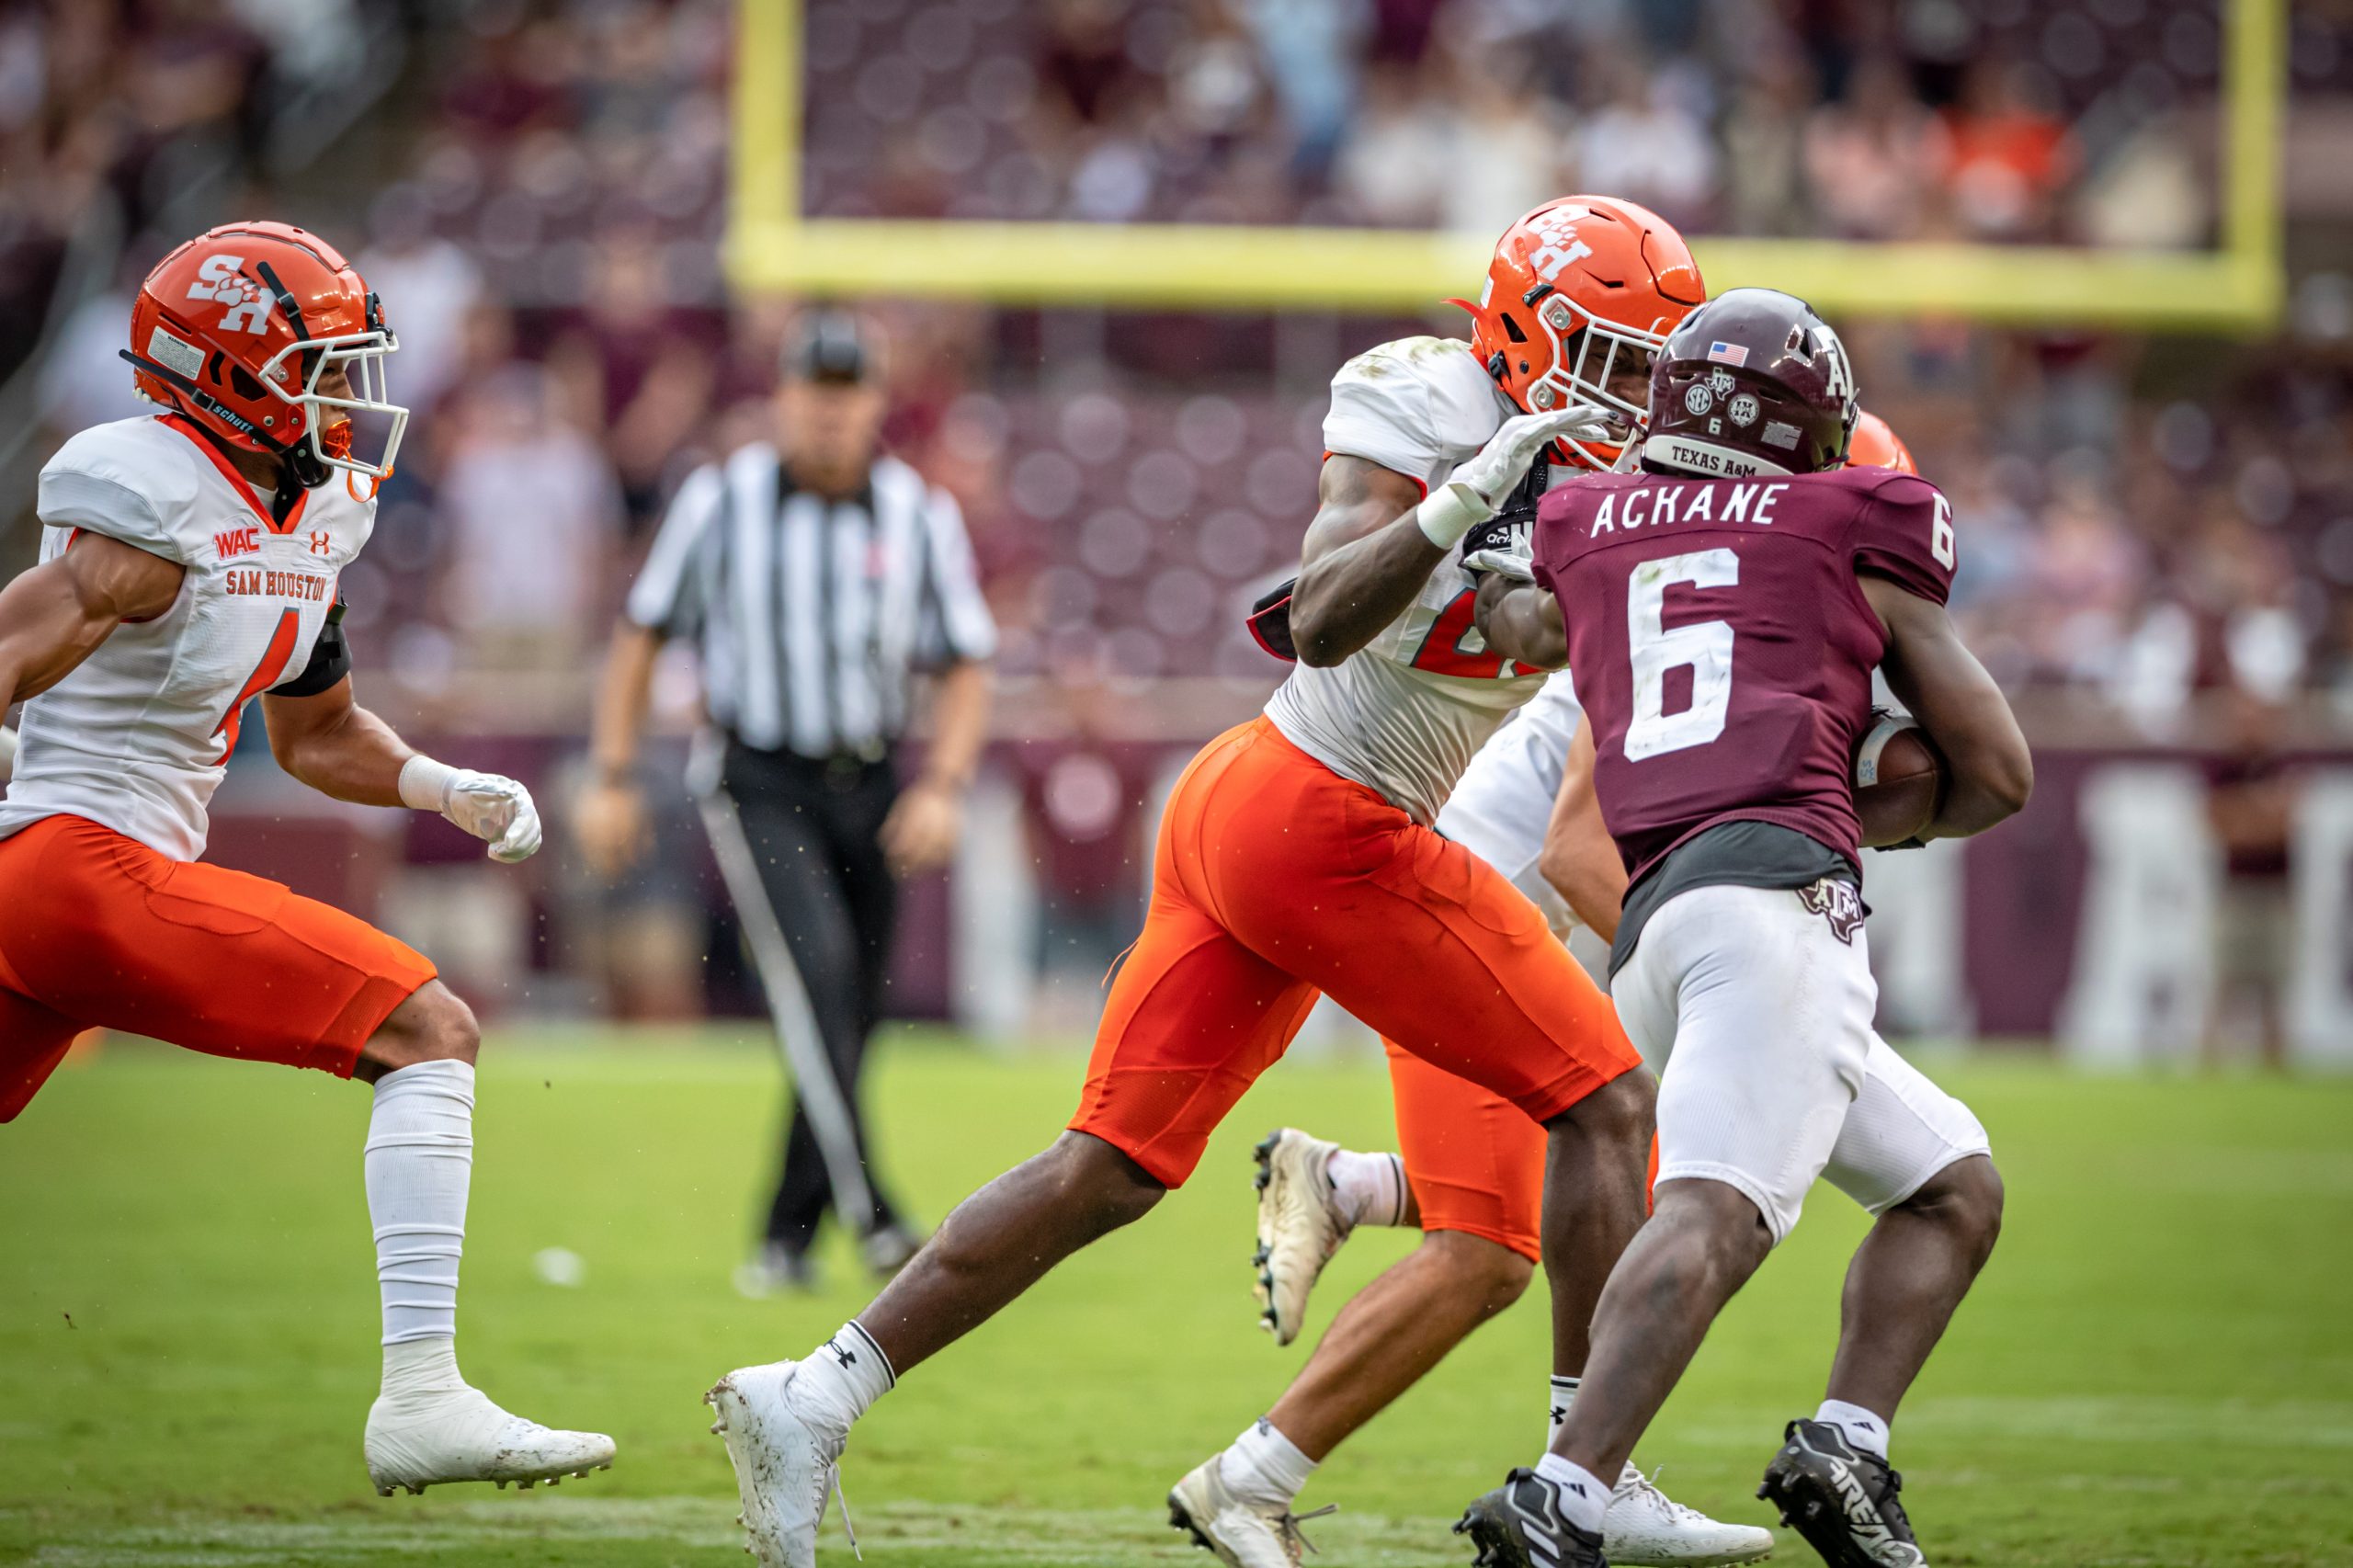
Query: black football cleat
[1843,1501]
[1519,1525]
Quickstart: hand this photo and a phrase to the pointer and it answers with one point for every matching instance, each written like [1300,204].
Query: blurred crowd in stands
[544,199]
[537,187]
[1990,119]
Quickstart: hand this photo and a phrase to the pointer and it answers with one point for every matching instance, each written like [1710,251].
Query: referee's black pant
[799,841]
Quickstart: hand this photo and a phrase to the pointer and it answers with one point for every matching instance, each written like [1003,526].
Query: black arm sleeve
[330,661]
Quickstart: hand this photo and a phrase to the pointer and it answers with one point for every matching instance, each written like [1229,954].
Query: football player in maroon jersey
[1721,607]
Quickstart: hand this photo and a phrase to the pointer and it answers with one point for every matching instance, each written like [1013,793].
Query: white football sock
[1865,1429]
[1584,1497]
[419,1162]
[1265,1467]
[1559,1396]
[1370,1189]
[840,1380]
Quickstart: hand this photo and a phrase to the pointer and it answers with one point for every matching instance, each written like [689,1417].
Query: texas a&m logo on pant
[1838,903]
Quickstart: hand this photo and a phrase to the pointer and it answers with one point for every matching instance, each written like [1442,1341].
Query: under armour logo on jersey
[219,279]
[322,543]
[1838,903]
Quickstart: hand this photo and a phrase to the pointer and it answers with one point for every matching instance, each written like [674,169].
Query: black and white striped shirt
[813,613]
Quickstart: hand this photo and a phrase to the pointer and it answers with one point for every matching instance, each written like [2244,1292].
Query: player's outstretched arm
[342,750]
[1522,622]
[56,615]
[1364,559]
[1936,676]
[1580,859]
[1372,544]
[335,746]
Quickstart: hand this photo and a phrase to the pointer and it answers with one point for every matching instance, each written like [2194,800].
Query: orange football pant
[1476,1164]
[99,931]
[1276,879]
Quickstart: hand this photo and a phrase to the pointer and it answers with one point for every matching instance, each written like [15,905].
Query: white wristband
[1449,512]
[8,753]
[425,783]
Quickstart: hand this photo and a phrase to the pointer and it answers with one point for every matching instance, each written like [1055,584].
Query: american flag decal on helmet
[1728,353]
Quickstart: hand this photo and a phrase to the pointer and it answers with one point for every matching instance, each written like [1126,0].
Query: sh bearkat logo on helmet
[219,279]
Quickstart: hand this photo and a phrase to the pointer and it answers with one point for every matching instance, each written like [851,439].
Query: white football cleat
[420,1440]
[1243,1534]
[785,1470]
[1300,1226]
[1645,1528]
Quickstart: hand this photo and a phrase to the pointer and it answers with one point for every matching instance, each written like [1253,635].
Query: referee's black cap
[832,345]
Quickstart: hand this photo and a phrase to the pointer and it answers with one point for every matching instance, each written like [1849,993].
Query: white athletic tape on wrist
[1451,511]
[425,783]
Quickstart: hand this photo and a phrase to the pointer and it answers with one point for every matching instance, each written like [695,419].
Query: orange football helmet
[1574,284]
[1874,444]
[236,328]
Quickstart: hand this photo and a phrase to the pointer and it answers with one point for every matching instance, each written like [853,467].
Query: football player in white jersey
[1296,857]
[189,564]
[1472,1175]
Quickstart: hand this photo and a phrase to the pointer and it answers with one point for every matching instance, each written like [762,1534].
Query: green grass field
[2157,1368]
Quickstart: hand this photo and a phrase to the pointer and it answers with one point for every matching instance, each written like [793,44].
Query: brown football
[1911,786]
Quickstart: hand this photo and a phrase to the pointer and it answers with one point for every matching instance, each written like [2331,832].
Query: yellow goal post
[772,245]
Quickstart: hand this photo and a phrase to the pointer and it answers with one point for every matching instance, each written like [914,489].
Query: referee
[817,576]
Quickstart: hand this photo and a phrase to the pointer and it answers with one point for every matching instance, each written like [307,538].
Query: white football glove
[490,806]
[1473,492]
[1516,564]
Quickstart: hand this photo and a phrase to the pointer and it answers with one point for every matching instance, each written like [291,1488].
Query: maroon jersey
[1720,644]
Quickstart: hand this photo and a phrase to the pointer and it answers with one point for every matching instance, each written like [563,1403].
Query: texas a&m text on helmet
[1752,382]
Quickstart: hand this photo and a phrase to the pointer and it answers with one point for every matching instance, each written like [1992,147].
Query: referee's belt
[841,763]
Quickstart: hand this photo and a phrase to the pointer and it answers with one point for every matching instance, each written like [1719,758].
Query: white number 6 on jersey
[1706,648]
[1940,533]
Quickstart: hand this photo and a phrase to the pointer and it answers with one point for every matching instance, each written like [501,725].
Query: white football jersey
[1503,803]
[1406,712]
[137,738]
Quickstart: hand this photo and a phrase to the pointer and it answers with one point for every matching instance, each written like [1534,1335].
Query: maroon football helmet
[1752,382]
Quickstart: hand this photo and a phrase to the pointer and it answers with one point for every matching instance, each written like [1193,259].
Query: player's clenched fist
[492,808]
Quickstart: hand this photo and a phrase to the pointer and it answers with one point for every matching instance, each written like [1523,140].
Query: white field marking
[984,1536]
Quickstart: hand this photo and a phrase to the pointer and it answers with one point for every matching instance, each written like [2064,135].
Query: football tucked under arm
[1899,780]
[1991,772]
